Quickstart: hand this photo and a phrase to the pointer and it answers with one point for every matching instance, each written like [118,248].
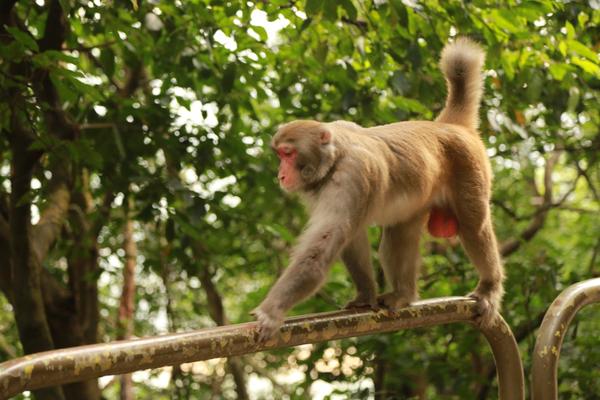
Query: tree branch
[362,25]
[267,373]
[4,229]
[88,49]
[97,63]
[51,221]
[589,181]
[103,213]
[59,123]
[512,245]
[6,348]
[592,264]
[507,210]
[30,313]
[97,125]
[56,28]
[7,17]
[6,284]
[6,6]
[127,304]
[217,313]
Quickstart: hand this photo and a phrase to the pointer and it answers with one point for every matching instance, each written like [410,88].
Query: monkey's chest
[397,208]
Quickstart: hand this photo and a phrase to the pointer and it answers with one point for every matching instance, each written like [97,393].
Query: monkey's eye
[285,151]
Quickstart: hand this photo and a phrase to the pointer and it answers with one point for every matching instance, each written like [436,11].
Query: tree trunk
[76,309]
[127,305]
[379,381]
[30,314]
[217,313]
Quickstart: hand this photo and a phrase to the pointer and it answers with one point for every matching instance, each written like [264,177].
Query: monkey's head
[306,154]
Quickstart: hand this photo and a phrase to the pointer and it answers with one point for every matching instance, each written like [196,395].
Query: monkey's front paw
[394,301]
[268,323]
[487,308]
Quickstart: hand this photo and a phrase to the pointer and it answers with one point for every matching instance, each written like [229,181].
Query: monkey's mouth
[289,188]
[286,185]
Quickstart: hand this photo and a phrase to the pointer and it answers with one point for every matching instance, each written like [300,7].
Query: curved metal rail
[79,363]
[552,332]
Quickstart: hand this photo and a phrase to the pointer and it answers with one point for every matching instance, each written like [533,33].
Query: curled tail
[461,63]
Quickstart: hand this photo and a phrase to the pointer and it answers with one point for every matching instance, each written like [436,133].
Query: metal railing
[80,363]
[544,385]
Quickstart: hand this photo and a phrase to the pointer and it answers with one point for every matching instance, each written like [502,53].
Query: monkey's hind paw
[393,301]
[362,302]
[268,325]
[487,311]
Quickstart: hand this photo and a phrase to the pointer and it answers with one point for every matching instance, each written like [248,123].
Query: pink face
[288,174]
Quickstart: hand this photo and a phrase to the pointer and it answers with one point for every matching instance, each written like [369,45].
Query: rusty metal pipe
[544,385]
[85,362]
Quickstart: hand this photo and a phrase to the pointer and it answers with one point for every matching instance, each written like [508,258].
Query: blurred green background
[144,196]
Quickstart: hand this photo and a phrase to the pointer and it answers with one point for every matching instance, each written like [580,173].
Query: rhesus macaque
[397,176]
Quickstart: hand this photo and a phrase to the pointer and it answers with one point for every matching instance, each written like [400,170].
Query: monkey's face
[304,154]
[289,177]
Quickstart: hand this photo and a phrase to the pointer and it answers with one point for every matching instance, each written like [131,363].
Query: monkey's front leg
[312,258]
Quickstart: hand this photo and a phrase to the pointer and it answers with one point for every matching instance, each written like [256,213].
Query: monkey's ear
[325,135]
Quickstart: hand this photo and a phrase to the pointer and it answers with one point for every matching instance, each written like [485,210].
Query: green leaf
[508,60]
[321,52]
[280,231]
[532,10]
[119,142]
[587,66]
[107,59]
[261,32]
[330,9]
[559,70]
[574,97]
[349,8]
[65,92]
[535,85]
[23,38]
[66,6]
[41,60]
[502,21]
[305,24]
[582,19]
[51,58]
[229,76]
[570,30]
[581,49]
[562,47]
[399,82]
[313,7]
[411,105]
[412,21]
[187,228]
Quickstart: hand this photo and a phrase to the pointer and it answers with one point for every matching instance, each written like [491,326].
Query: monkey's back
[411,162]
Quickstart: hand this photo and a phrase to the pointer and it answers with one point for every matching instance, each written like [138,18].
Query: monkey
[401,177]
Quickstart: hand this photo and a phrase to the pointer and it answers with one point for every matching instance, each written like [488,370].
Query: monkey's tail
[461,63]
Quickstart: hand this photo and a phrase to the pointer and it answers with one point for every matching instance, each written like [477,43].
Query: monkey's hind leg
[478,238]
[357,258]
[400,259]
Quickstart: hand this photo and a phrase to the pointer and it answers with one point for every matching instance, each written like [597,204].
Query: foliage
[161,112]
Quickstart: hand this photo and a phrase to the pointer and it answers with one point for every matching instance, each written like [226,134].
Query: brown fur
[391,175]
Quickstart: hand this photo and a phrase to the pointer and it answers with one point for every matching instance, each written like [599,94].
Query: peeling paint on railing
[85,362]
